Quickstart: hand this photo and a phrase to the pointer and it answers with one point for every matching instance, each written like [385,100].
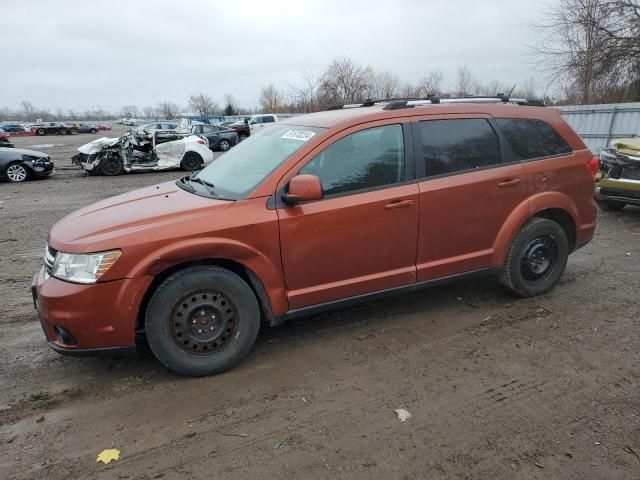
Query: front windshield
[237,172]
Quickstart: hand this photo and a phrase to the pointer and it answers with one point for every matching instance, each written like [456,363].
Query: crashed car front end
[619,182]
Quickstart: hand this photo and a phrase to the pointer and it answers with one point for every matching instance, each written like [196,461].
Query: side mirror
[303,188]
[246,120]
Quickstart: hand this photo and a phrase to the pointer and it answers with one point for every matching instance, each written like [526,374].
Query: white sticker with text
[301,135]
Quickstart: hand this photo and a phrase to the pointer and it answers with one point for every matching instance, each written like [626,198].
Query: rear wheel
[610,205]
[112,166]
[224,145]
[191,162]
[243,136]
[62,131]
[41,131]
[16,173]
[73,131]
[202,320]
[93,130]
[536,259]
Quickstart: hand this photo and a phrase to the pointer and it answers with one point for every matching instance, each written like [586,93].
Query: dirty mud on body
[497,387]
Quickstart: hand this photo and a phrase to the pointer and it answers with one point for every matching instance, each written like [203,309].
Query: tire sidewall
[191,157]
[115,172]
[171,291]
[529,232]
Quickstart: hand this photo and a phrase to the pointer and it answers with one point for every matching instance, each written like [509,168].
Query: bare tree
[203,104]
[168,110]
[592,48]
[149,113]
[431,83]
[464,85]
[384,85]
[127,111]
[346,81]
[271,99]
[306,98]
[29,111]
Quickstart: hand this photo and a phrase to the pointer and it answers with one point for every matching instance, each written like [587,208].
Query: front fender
[213,248]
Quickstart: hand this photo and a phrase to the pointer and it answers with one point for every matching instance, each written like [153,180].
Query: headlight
[85,268]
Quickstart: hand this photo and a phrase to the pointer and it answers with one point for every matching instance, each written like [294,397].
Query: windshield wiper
[210,186]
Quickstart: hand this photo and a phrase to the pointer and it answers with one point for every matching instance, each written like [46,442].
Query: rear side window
[267,120]
[531,138]
[365,159]
[450,146]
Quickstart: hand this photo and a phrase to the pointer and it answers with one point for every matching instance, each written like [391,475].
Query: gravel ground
[497,387]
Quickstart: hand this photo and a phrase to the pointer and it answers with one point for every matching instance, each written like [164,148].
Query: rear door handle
[398,204]
[511,182]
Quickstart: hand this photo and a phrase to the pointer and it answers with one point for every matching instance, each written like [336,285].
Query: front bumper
[619,190]
[88,319]
[41,169]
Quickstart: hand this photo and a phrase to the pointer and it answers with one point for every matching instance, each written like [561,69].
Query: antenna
[511,91]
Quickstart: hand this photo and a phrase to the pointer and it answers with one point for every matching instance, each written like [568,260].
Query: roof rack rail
[410,102]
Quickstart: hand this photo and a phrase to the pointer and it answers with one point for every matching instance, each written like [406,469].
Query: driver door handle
[398,204]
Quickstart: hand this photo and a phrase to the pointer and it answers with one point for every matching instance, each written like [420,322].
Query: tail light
[201,141]
[593,166]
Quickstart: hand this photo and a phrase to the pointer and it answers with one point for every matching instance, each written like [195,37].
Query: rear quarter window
[531,138]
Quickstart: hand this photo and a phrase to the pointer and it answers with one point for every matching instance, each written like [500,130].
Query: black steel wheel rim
[539,258]
[111,166]
[204,322]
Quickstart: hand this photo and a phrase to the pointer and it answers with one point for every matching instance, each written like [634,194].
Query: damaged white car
[157,150]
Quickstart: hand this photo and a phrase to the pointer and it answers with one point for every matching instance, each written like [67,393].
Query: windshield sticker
[301,135]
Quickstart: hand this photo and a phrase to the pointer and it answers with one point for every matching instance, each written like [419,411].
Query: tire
[73,131]
[191,162]
[536,259]
[62,131]
[16,173]
[243,136]
[189,315]
[93,130]
[610,205]
[41,132]
[224,145]
[112,166]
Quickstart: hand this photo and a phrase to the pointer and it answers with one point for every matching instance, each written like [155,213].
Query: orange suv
[315,211]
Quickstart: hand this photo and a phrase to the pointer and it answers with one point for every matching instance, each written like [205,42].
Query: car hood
[152,213]
[22,151]
[98,144]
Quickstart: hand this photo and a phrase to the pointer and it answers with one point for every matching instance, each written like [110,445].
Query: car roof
[345,117]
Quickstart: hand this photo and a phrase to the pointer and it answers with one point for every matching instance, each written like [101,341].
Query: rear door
[468,187]
[362,236]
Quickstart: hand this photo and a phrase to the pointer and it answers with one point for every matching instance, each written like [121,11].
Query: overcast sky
[87,53]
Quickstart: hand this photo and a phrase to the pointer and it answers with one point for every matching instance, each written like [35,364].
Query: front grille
[49,257]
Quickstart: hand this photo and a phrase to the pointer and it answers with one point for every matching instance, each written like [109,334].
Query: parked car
[12,127]
[241,128]
[54,128]
[104,127]
[157,150]
[19,165]
[619,183]
[86,128]
[257,122]
[5,141]
[314,212]
[220,138]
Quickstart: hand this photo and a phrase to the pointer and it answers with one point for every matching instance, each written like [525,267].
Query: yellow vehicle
[619,181]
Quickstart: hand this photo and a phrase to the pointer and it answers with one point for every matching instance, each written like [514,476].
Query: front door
[362,236]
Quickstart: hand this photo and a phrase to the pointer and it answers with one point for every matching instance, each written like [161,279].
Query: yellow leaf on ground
[107,455]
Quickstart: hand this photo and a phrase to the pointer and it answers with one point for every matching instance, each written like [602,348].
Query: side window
[268,119]
[532,138]
[450,146]
[366,159]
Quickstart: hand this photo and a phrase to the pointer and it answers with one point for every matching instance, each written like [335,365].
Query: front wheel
[536,259]
[243,136]
[16,173]
[62,131]
[41,131]
[202,320]
[111,166]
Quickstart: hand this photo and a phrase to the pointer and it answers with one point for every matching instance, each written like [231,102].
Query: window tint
[450,146]
[267,119]
[365,159]
[532,138]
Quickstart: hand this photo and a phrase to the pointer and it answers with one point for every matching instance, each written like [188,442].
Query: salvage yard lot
[497,387]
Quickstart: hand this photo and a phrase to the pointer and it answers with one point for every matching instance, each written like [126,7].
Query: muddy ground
[497,387]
